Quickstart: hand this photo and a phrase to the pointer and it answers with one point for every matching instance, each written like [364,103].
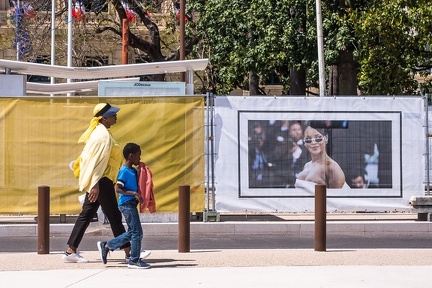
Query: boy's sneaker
[144,254]
[138,265]
[103,250]
[73,258]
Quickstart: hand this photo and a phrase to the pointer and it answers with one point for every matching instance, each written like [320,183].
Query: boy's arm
[119,188]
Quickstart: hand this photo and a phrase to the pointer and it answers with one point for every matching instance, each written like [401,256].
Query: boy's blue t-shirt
[128,177]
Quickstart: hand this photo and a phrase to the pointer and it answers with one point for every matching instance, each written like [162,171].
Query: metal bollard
[43,219]
[320,217]
[184,219]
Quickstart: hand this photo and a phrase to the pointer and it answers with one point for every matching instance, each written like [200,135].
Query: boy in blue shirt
[127,187]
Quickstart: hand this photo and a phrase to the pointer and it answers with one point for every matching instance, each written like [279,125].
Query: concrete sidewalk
[250,277]
[226,268]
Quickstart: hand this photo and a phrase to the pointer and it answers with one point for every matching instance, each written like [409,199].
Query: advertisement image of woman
[321,169]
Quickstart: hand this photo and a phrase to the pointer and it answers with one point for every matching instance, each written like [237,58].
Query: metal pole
[320,217]
[69,42]
[212,153]
[18,29]
[53,6]
[427,149]
[208,141]
[184,219]
[125,41]
[43,219]
[182,36]
[322,86]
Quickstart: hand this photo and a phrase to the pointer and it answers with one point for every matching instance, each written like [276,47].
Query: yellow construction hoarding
[38,140]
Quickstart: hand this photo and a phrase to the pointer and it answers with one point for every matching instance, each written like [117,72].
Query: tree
[377,47]
[340,47]
[392,37]
[248,40]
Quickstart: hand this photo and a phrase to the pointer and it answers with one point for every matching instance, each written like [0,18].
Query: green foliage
[387,39]
[267,37]
[392,36]
[338,29]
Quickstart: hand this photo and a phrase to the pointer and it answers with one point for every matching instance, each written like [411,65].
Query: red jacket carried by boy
[145,185]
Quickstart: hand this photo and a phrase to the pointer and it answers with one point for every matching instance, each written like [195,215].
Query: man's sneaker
[103,250]
[144,254]
[138,265]
[73,258]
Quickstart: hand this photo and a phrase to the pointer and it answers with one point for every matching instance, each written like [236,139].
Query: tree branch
[108,28]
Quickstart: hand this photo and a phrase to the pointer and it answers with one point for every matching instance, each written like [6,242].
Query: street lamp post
[321,71]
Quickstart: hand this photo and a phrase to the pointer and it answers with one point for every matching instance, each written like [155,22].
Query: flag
[25,9]
[177,12]
[78,12]
[28,10]
[130,14]
[21,11]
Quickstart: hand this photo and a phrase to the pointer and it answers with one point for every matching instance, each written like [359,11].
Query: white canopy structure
[100,72]
[62,88]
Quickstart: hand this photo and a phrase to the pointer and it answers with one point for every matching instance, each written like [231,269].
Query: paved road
[395,241]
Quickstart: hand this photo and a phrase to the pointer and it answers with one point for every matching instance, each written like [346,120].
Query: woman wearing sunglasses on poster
[321,169]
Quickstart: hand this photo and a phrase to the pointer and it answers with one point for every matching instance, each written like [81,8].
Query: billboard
[273,151]
[142,88]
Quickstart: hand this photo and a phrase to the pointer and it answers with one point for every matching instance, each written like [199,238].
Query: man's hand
[94,193]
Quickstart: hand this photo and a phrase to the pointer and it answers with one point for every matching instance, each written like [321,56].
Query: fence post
[320,217]
[43,219]
[184,219]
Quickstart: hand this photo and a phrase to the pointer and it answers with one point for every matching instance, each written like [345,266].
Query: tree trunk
[333,88]
[347,76]
[253,84]
[298,82]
